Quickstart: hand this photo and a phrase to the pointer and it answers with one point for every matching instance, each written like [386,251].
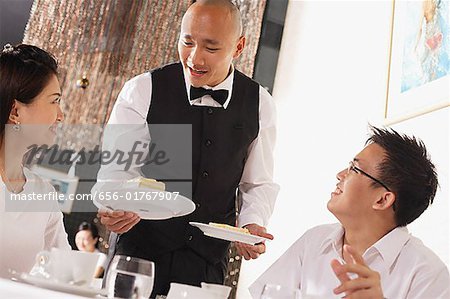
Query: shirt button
[210,111]
[208,142]
[205,174]
[197,205]
[190,238]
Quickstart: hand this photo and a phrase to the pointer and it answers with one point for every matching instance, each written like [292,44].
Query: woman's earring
[16,127]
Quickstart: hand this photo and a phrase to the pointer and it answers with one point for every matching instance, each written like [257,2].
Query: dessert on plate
[231,228]
[152,183]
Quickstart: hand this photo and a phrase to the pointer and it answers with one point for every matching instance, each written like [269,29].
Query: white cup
[68,266]
[184,291]
[221,290]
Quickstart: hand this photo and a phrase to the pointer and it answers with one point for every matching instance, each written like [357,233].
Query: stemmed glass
[130,278]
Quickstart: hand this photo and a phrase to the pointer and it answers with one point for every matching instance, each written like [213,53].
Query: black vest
[220,142]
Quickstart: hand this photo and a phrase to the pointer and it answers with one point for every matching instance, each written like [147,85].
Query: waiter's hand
[253,251]
[366,285]
[118,221]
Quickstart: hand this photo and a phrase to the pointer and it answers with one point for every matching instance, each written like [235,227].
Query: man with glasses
[370,253]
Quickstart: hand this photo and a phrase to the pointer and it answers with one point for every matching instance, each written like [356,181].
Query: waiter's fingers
[253,254]
[109,212]
[258,230]
[247,254]
[242,250]
[250,251]
[239,248]
[110,221]
[129,226]
[113,217]
[265,235]
[122,226]
[259,248]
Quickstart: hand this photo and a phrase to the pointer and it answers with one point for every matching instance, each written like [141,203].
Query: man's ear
[385,202]
[239,47]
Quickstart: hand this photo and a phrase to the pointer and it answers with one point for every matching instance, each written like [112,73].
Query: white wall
[331,81]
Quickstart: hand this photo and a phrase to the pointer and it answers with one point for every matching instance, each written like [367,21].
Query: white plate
[147,203]
[86,291]
[228,235]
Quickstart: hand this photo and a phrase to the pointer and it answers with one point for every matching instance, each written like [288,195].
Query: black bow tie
[220,95]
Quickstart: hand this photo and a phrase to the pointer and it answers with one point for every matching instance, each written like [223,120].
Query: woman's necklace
[8,182]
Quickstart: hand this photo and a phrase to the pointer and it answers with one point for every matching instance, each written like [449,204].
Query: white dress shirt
[408,268]
[256,189]
[25,233]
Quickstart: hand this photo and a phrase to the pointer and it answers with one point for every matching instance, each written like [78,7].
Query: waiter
[233,135]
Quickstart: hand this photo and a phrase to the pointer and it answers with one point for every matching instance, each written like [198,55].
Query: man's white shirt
[408,268]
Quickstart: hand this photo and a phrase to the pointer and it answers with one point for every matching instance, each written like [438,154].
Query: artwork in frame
[62,182]
[419,62]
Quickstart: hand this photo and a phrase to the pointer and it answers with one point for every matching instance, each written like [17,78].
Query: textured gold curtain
[111,41]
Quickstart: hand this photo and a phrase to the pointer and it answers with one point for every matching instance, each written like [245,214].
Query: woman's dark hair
[90,227]
[408,171]
[25,70]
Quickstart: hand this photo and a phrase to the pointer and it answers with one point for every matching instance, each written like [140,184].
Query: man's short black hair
[408,172]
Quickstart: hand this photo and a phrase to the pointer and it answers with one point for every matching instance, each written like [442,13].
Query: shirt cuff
[243,220]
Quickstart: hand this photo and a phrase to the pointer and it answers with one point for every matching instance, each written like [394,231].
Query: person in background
[369,253]
[30,95]
[87,239]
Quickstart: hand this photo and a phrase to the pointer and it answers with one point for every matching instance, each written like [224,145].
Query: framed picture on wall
[419,61]
[63,184]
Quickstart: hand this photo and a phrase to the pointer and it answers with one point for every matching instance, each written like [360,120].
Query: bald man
[233,134]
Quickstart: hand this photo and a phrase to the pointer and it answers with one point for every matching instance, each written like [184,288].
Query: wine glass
[274,291]
[130,278]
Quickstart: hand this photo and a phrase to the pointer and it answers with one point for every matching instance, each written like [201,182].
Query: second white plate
[228,235]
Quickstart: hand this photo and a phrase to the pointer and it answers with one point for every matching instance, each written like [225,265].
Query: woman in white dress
[29,112]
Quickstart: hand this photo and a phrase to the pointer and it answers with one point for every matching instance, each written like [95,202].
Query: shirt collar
[388,247]
[391,244]
[334,239]
[226,84]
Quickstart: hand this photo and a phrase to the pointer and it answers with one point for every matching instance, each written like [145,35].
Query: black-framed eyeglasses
[352,166]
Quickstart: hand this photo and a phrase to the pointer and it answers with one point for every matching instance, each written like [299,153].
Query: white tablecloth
[16,290]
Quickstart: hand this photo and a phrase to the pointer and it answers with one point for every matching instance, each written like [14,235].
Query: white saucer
[86,291]
[151,207]
[228,235]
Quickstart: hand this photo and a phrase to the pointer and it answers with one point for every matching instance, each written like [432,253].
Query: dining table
[18,290]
